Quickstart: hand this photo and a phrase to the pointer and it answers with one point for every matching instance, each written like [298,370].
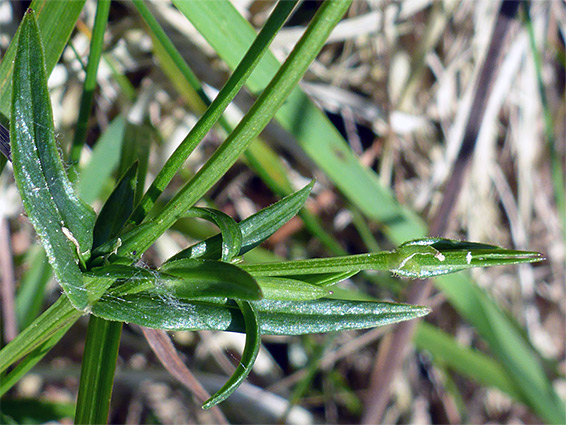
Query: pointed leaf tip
[423,258]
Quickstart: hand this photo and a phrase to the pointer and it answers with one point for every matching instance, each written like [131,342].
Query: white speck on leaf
[71,237]
[469,257]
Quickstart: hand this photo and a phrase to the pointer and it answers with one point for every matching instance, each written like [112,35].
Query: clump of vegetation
[211,284]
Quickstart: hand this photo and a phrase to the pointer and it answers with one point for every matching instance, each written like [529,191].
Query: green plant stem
[97,371]
[374,261]
[251,125]
[60,314]
[217,107]
[23,367]
[96,44]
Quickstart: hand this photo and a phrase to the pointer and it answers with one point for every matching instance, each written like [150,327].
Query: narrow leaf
[429,257]
[251,350]
[275,317]
[416,259]
[63,222]
[117,208]
[255,229]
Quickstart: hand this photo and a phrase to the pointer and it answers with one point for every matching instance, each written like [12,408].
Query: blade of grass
[251,125]
[464,360]
[217,107]
[56,21]
[96,44]
[31,360]
[314,132]
[260,157]
[59,315]
[556,160]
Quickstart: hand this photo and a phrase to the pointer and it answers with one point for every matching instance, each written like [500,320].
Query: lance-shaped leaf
[416,259]
[255,229]
[63,222]
[117,207]
[275,317]
[423,258]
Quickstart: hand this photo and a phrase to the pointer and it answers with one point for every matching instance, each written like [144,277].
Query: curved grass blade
[251,350]
[254,229]
[275,317]
[63,222]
